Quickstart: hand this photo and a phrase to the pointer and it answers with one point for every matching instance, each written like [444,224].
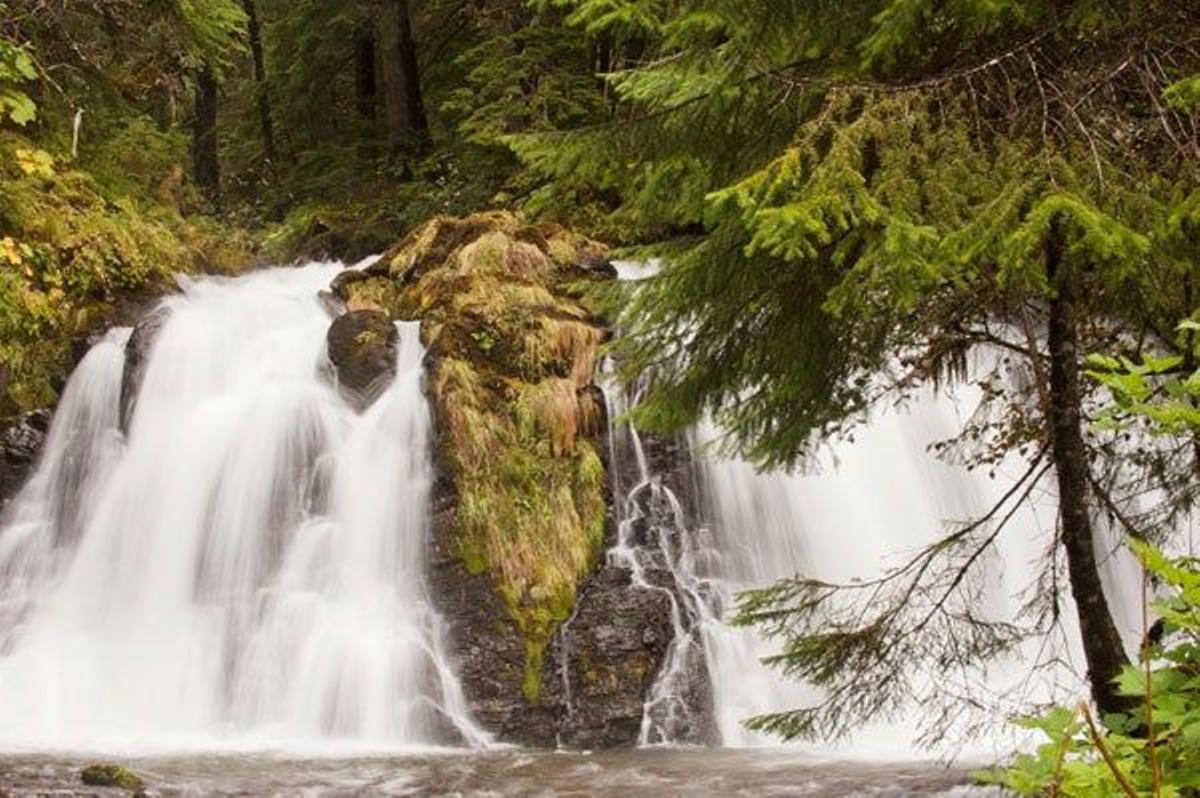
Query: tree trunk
[260,79]
[364,74]
[204,134]
[403,106]
[1102,645]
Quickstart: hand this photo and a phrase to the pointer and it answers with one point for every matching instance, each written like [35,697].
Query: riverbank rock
[362,349]
[21,441]
[108,775]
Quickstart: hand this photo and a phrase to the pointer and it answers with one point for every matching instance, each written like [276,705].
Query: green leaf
[18,106]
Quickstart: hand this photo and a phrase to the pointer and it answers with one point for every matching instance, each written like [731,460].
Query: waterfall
[864,505]
[245,564]
[868,504]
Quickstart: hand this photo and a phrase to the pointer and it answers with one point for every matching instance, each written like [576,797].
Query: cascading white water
[864,506]
[655,546]
[246,565]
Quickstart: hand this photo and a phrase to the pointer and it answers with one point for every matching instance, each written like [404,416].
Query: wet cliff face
[634,654]
[608,657]
[604,660]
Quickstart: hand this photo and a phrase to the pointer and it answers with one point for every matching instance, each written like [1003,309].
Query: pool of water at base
[656,772]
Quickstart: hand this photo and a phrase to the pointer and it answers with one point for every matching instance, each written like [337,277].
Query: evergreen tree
[254,31]
[859,200]
[404,106]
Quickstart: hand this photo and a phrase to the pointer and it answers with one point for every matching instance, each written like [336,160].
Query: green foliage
[1156,749]
[16,69]
[1184,95]
[213,30]
[814,214]
[1164,390]
[70,249]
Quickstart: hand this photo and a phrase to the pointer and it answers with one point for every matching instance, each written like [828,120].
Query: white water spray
[246,566]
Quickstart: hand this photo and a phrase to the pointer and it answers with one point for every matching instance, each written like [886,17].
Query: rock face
[608,656]
[602,662]
[362,348]
[20,443]
[488,648]
[615,648]
[137,358]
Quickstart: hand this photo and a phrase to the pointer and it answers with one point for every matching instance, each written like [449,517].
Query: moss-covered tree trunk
[404,107]
[1102,645]
[206,169]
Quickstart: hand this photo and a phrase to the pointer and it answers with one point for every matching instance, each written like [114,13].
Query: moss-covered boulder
[362,349]
[109,775]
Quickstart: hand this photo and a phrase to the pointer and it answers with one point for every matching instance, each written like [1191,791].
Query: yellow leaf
[35,162]
[10,251]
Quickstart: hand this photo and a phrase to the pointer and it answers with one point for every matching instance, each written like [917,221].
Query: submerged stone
[109,775]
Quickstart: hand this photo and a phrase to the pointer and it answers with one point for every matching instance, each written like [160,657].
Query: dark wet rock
[21,441]
[340,286]
[488,648]
[137,359]
[340,235]
[609,655]
[331,303]
[362,349]
[615,647]
[599,266]
[108,775]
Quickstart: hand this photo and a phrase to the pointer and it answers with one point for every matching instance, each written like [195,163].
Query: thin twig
[1109,759]
[1155,773]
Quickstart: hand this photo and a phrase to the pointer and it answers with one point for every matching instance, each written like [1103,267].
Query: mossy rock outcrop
[513,350]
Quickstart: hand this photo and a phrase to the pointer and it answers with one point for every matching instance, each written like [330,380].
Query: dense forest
[854,204]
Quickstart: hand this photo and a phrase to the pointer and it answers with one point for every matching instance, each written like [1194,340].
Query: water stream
[241,570]
[861,506]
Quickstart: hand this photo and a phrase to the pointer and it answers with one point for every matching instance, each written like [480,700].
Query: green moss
[366,338]
[108,775]
[535,655]
[378,293]
[71,248]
